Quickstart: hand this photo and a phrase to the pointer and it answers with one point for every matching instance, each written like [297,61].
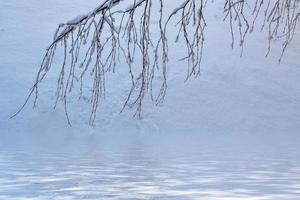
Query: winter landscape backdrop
[232,133]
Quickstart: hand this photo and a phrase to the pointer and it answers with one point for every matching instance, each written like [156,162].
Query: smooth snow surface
[232,133]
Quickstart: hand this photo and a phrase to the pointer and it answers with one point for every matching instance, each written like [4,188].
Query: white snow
[232,133]
[76,20]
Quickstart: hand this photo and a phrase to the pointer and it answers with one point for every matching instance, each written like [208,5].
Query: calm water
[152,170]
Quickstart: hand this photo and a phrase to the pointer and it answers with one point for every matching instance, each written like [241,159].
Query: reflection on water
[143,175]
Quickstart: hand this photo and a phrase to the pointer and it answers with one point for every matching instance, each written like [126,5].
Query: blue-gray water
[144,168]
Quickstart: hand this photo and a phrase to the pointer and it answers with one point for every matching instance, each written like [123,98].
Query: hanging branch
[281,18]
[111,32]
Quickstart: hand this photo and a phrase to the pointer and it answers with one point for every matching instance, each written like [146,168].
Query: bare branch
[111,32]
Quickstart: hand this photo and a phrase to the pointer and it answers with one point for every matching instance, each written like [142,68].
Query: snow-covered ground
[232,133]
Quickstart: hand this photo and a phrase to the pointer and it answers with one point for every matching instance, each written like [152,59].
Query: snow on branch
[94,43]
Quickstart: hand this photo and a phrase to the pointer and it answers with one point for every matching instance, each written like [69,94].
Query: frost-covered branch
[94,43]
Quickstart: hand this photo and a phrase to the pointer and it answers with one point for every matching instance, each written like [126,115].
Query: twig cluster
[280,17]
[111,32]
